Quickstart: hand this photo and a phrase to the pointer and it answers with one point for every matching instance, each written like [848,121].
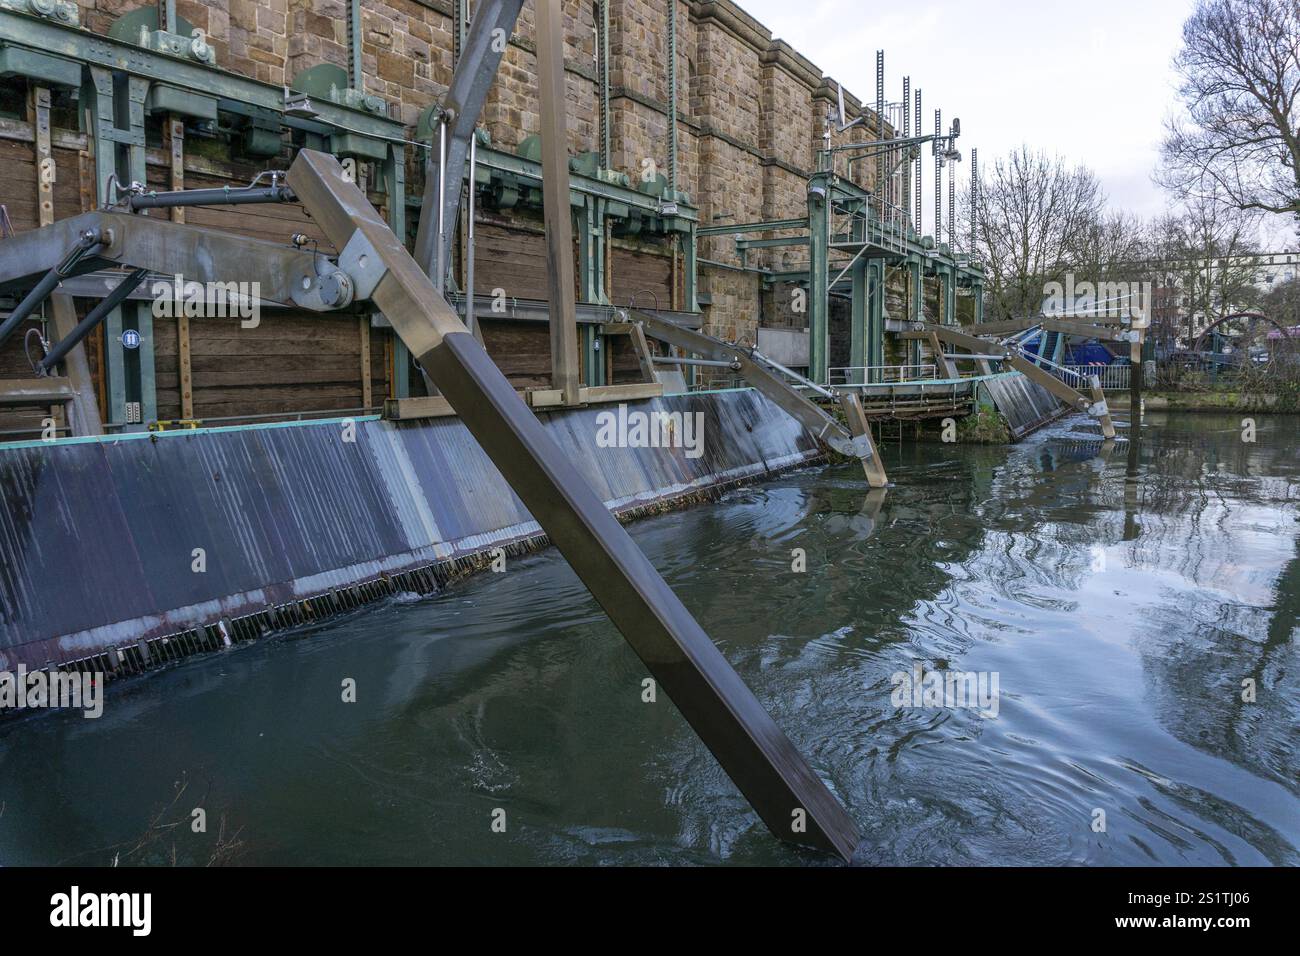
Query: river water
[1120,601]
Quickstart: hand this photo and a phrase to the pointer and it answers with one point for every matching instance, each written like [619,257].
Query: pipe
[672,101]
[469,244]
[219,196]
[92,319]
[806,382]
[439,280]
[87,244]
[707,363]
[355,79]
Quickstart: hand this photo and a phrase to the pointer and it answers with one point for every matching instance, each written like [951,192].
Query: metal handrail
[903,373]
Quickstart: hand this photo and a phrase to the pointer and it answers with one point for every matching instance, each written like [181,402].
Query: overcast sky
[1090,81]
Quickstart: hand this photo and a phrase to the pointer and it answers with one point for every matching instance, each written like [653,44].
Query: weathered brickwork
[751,110]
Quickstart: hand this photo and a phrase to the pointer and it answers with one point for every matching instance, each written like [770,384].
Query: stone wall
[750,108]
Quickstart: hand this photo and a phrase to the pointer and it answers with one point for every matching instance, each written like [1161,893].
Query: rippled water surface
[1121,601]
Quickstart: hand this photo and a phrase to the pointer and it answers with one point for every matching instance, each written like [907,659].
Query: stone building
[208,105]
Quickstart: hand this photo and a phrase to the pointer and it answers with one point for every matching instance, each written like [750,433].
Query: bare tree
[1207,249]
[1240,85]
[1282,303]
[1033,211]
[1111,246]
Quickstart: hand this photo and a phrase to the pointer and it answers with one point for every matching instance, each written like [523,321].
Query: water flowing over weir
[98,537]
[1026,405]
[513,690]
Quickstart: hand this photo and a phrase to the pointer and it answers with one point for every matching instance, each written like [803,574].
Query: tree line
[1229,158]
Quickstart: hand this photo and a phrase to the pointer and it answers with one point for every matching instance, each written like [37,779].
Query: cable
[27,349]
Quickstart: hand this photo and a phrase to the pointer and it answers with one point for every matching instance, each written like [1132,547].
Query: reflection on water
[1121,598]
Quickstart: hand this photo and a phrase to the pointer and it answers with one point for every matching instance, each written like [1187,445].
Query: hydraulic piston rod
[92,319]
[88,243]
[221,196]
[704,363]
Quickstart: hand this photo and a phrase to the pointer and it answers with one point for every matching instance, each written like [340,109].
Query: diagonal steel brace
[856,441]
[759,758]
[1094,406]
[485,43]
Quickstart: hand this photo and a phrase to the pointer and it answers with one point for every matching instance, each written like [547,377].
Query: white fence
[1111,376]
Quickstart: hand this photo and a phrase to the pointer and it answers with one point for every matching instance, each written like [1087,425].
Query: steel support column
[916,276]
[949,281]
[690,274]
[819,226]
[876,313]
[859,324]
[395,185]
[485,43]
[555,200]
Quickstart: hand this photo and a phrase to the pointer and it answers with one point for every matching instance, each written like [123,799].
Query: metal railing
[881,224]
[877,374]
[887,225]
[1111,376]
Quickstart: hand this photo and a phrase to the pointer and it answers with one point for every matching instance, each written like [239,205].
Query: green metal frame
[117,80]
[594,201]
[865,272]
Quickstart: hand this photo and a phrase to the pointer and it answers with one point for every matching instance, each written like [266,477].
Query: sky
[1090,81]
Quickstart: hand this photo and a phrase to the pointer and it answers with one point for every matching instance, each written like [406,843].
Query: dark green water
[1120,603]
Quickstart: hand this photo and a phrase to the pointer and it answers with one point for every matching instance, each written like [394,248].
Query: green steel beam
[50,37]
[580,186]
[771,243]
[395,184]
[769,225]
[591,277]
[690,267]
[950,297]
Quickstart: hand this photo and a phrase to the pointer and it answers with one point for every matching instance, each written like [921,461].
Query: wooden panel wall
[510,259]
[18,193]
[522,350]
[274,222]
[297,362]
[644,274]
[623,367]
[291,362]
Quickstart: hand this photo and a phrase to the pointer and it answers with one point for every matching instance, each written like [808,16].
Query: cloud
[1092,83]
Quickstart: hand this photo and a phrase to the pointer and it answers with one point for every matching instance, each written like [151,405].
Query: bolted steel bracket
[859,446]
[327,287]
[363,264]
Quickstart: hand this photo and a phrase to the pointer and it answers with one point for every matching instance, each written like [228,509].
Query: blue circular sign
[130,339]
